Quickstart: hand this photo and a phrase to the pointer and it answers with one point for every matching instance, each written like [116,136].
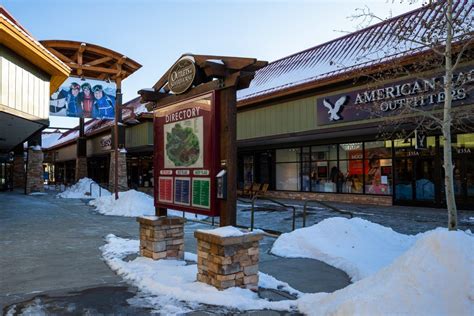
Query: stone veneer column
[122,171]
[161,237]
[19,172]
[81,168]
[34,171]
[225,262]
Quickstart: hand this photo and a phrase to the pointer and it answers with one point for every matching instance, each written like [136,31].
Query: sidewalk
[50,251]
[50,258]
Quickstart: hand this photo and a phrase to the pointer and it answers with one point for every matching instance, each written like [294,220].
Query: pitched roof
[397,37]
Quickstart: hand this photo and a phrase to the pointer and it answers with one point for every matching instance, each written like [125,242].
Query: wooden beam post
[228,153]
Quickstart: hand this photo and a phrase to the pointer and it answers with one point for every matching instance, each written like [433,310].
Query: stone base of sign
[225,262]
[34,171]
[161,237]
[122,171]
[19,172]
[81,168]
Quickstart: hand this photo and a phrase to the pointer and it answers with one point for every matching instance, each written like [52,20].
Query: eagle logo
[335,109]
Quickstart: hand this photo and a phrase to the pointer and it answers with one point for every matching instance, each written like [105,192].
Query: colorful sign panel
[84,98]
[391,98]
[186,155]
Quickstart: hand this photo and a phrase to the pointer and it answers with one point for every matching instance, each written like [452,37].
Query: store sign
[181,76]
[84,98]
[390,99]
[106,142]
[187,156]
[420,140]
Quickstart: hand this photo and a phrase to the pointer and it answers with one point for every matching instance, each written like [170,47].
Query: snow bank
[226,231]
[356,246]
[131,203]
[83,186]
[170,282]
[434,277]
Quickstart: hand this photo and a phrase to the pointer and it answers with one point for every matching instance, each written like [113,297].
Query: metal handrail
[100,188]
[335,209]
[252,216]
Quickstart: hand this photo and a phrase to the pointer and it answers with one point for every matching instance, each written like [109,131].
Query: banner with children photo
[84,98]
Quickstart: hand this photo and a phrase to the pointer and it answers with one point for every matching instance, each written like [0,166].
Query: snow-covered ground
[426,274]
[132,203]
[82,190]
[172,286]
[434,277]
[356,246]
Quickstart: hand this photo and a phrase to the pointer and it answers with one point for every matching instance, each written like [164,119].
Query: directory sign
[187,155]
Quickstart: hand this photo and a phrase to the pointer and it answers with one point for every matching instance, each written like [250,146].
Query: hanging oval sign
[181,76]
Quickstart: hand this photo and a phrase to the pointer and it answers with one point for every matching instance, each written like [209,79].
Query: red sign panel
[187,155]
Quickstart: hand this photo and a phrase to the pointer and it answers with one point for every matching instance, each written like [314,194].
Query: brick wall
[333,197]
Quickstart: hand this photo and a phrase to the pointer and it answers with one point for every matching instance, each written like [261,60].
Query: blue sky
[155,33]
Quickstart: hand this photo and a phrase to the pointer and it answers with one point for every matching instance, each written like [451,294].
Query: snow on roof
[393,38]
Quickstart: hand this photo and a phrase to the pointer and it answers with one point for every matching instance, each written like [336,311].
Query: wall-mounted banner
[186,155]
[84,98]
[391,98]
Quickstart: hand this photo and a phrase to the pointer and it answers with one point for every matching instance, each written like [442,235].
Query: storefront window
[351,176]
[378,167]
[288,169]
[288,155]
[325,152]
[324,176]
[287,176]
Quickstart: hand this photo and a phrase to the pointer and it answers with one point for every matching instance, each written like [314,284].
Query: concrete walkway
[51,246]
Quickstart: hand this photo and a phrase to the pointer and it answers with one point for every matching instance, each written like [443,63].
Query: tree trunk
[447,120]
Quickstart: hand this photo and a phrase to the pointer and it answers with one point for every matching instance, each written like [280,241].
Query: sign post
[195,134]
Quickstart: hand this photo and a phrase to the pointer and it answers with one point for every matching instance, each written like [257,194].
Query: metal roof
[393,38]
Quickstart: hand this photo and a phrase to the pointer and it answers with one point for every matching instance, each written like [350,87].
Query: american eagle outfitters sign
[392,98]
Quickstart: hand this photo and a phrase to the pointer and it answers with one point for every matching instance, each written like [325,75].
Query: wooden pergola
[100,63]
[92,61]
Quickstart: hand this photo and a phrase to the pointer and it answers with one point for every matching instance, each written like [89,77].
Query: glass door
[424,179]
[404,174]
[463,181]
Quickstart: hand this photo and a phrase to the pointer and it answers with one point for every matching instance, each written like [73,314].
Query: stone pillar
[81,168]
[122,171]
[231,261]
[19,172]
[34,170]
[161,237]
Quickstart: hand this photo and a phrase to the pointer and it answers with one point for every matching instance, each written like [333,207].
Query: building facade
[335,122]
[29,74]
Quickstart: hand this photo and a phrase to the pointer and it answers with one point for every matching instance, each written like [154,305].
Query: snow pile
[434,277]
[131,203]
[226,231]
[170,282]
[357,246]
[82,189]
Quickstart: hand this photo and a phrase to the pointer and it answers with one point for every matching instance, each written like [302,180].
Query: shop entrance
[98,169]
[416,178]
[464,180]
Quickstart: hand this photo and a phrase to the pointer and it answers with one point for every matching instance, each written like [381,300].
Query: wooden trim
[27,48]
